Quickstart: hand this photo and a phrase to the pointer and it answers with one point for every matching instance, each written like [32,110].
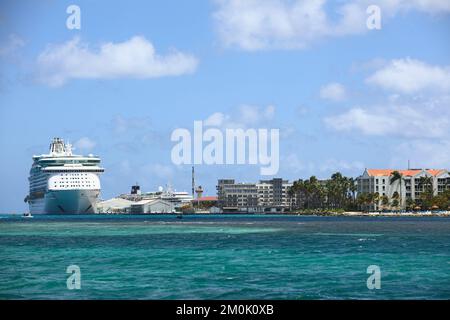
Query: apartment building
[409,186]
[264,196]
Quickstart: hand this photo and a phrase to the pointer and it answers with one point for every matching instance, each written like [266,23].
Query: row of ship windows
[72,185]
[61,172]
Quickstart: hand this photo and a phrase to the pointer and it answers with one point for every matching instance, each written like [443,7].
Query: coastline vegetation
[339,195]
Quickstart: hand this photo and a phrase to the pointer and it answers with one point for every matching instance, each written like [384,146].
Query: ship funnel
[58,148]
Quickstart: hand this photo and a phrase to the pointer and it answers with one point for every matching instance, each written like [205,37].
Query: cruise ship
[64,183]
[177,198]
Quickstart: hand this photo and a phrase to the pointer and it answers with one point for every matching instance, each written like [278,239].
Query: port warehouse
[161,201]
[119,205]
[147,206]
[272,196]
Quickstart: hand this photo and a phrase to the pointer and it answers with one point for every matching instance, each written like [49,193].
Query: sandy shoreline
[379,214]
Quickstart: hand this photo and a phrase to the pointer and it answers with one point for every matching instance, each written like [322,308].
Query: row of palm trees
[426,201]
[338,192]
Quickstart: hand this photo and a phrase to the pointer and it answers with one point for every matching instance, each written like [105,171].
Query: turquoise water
[224,257]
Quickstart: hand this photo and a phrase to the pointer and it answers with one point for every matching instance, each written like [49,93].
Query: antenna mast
[193,182]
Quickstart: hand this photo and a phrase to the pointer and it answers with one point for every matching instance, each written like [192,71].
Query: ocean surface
[224,257]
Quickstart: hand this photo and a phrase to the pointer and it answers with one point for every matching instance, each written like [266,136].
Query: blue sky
[344,97]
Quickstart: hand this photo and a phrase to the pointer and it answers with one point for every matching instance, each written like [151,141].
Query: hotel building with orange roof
[410,186]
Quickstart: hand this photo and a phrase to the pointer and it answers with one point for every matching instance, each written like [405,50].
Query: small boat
[27,215]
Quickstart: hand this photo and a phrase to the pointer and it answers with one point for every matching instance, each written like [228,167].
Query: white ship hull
[66,202]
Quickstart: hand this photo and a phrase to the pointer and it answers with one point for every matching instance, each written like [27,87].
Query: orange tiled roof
[435,172]
[406,173]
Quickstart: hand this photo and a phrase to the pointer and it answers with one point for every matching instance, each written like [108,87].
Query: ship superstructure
[177,198]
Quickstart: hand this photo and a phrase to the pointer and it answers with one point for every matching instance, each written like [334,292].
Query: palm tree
[298,191]
[362,199]
[426,191]
[384,202]
[291,193]
[395,203]
[375,199]
[395,175]
[371,198]
[396,199]
[410,203]
[339,190]
[353,188]
[314,193]
[426,183]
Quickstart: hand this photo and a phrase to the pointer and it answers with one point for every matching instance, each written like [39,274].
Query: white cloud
[85,143]
[293,164]
[303,110]
[245,116]
[289,131]
[293,24]
[423,119]
[217,119]
[254,115]
[333,91]
[416,104]
[160,171]
[333,165]
[13,43]
[428,6]
[123,125]
[422,153]
[125,167]
[134,58]
[411,76]
[261,24]
[367,122]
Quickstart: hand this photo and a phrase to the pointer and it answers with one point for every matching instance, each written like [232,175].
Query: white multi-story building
[267,195]
[273,193]
[232,196]
[410,186]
